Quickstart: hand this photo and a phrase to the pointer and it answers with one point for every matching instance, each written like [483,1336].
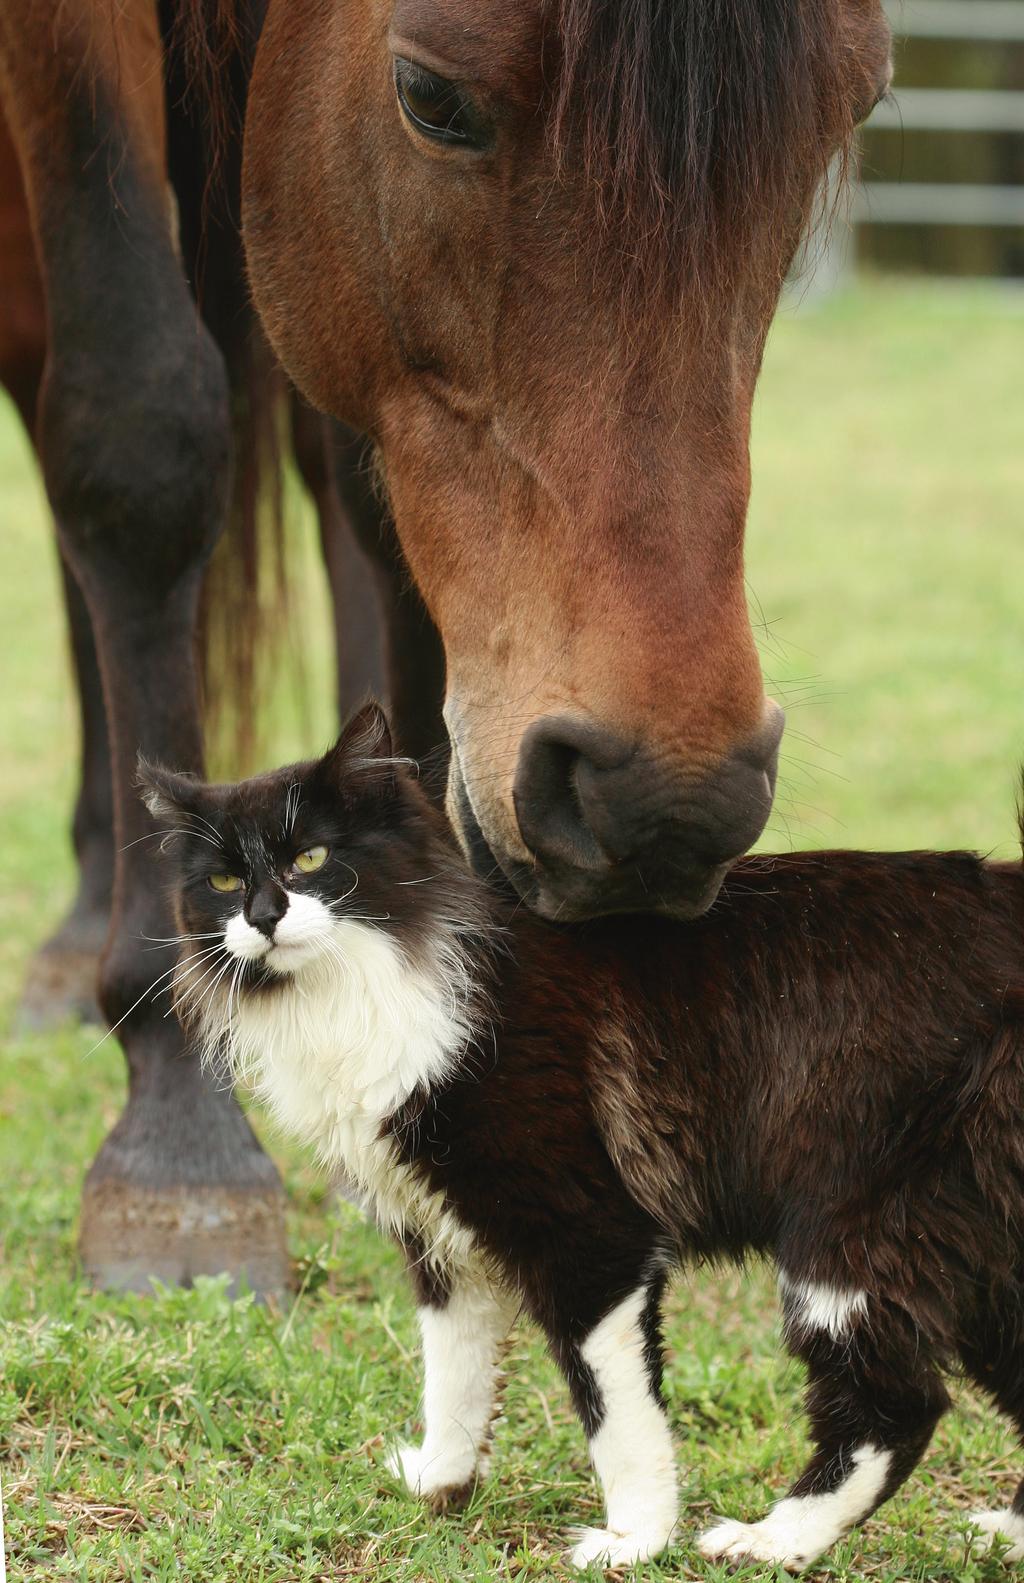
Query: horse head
[532,249]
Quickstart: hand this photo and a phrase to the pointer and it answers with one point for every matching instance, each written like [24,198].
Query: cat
[827,1068]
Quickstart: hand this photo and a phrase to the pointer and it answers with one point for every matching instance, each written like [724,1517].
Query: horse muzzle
[610,828]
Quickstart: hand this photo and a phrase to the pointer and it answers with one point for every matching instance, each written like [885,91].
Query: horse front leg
[62,976]
[355,605]
[134,441]
[414,663]
[61,979]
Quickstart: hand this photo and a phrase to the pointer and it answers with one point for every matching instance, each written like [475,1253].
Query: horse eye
[436,108]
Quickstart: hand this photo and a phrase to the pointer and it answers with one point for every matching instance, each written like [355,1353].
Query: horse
[528,254]
[147,1216]
[61,981]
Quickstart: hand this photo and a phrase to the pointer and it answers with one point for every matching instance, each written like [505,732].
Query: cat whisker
[191,814]
[179,939]
[198,835]
[221,1042]
[147,837]
[182,982]
[185,969]
[185,1002]
[293,799]
[234,988]
[194,1004]
[331,905]
[135,1004]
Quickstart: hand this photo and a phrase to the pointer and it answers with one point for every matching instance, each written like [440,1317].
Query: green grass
[886,552]
[184,1436]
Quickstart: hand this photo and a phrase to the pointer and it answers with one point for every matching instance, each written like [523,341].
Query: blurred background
[886,577]
[943,163]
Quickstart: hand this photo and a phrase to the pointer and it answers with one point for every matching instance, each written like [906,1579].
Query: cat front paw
[1002,1525]
[609,1549]
[741,1542]
[445,1483]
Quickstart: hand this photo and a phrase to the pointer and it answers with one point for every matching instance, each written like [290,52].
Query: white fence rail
[938,203]
[950,110]
[827,254]
[983,20]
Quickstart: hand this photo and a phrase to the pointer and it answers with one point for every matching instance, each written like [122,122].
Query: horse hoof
[181,1188]
[130,1236]
[60,987]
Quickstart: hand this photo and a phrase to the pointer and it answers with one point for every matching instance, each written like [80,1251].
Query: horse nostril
[558,762]
[614,829]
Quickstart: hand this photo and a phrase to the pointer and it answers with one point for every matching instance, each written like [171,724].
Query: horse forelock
[700,124]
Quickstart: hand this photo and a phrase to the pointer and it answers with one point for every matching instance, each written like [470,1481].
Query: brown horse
[331,461]
[532,252]
[109,205]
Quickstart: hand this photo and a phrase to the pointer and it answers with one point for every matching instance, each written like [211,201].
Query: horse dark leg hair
[62,976]
[414,656]
[61,979]
[134,440]
[358,620]
[873,1399]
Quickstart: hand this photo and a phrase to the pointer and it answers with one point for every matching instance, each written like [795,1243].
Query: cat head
[271,874]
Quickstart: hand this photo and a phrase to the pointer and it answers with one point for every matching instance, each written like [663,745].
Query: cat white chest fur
[339,1046]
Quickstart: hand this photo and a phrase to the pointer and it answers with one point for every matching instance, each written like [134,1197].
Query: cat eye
[309,861]
[437,109]
[225,882]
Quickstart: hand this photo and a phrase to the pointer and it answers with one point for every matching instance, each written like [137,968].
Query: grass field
[185,1436]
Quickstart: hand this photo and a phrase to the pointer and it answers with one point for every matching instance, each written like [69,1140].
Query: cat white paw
[734,1541]
[442,1480]
[1007,1525]
[608,1549]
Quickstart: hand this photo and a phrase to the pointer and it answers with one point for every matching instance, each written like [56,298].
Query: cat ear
[367,735]
[169,796]
[364,748]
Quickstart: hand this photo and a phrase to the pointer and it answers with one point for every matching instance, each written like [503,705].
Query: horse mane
[245,614]
[700,124]
[211,38]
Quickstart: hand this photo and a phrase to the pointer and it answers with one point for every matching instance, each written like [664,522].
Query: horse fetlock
[61,983]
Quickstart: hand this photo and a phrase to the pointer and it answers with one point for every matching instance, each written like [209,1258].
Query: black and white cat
[828,1068]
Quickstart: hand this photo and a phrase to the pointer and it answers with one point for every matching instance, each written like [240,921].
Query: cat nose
[264,909]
